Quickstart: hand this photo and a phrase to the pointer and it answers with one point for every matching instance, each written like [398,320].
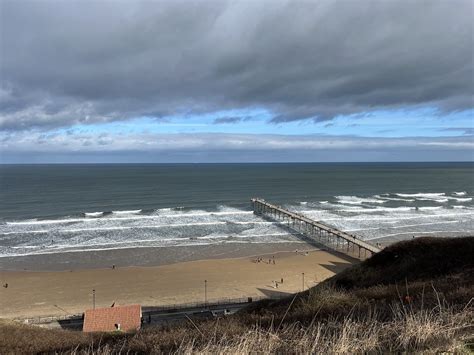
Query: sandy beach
[35,293]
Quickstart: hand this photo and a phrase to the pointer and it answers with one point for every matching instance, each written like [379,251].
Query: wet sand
[148,256]
[35,293]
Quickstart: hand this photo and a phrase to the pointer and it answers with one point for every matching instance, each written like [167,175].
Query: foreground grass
[412,297]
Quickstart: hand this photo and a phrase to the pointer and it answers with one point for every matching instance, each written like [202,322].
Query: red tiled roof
[105,319]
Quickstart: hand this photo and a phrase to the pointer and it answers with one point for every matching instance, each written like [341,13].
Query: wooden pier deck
[315,229]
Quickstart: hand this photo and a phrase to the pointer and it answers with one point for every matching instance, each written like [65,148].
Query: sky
[236,81]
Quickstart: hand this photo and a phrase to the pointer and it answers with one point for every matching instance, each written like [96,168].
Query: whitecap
[421,194]
[127,212]
[430,208]
[93,214]
[355,200]
[395,198]
[46,221]
[462,199]
[439,200]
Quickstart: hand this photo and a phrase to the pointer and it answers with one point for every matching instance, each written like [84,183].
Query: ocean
[47,209]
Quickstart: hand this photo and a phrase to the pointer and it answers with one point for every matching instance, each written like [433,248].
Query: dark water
[55,208]
[57,190]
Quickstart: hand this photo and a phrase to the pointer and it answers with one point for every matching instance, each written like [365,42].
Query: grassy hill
[413,296]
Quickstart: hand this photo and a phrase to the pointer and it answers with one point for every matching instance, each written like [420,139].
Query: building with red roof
[116,318]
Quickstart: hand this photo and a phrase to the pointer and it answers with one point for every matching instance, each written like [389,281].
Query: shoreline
[143,256]
[51,293]
[157,256]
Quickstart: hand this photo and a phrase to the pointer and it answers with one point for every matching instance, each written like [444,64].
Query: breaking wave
[423,195]
[354,200]
[93,214]
[126,212]
[466,199]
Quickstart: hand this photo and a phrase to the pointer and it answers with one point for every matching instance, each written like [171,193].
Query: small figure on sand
[5,285]
[273,259]
[113,267]
[282,280]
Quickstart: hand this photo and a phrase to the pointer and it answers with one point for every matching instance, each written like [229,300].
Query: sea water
[62,208]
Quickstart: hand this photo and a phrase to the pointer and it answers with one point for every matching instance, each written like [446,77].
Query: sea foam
[355,200]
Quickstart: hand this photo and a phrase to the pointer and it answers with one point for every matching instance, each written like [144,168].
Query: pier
[315,230]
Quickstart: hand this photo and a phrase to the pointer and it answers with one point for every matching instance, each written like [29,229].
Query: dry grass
[19,339]
[435,330]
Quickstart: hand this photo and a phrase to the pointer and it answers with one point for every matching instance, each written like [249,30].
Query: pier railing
[315,230]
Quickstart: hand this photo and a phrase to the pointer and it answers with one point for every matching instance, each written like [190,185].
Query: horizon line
[235,163]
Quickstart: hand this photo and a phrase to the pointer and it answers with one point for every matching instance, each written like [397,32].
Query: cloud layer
[69,62]
[67,146]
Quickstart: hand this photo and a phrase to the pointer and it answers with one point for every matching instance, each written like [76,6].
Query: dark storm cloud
[234,119]
[225,120]
[67,62]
